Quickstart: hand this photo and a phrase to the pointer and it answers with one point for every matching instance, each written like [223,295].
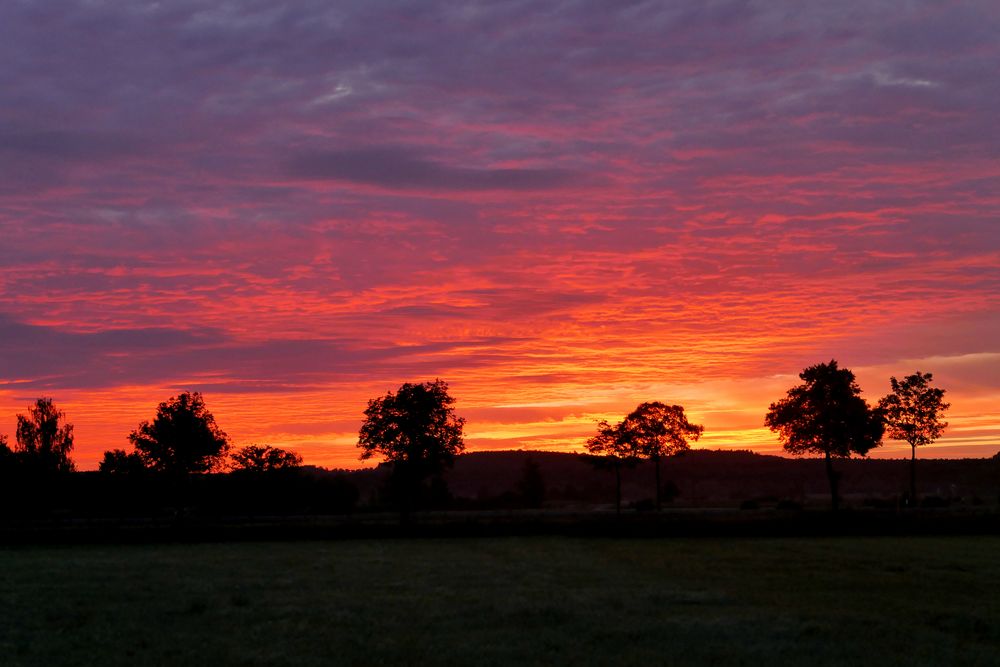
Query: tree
[656,431]
[42,444]
[120,462]
[264,458]
[826,415]
[416,430]
[913,412]
[182,438]
[611,448]
[6,454]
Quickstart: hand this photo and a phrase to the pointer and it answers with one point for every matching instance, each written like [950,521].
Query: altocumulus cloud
[407,169]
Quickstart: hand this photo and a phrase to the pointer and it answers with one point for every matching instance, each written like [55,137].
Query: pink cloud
[576,210]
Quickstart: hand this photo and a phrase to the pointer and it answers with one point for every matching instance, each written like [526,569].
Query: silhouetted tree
[264,458]
[120,462]
[43,445]
[656,430]
[415,429]
[182,438]
[531,486]
[826,415]
[913,412]
[6,454]
[612,449]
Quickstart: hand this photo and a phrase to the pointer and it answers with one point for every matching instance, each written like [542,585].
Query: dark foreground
[528,600]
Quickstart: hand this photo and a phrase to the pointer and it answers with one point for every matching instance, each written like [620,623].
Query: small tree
[264,458]
[610,448]
[826,415]
[183,437]
[6,454]
[416,430]
[913,412]
[42,444]
[656,430]
[120,462]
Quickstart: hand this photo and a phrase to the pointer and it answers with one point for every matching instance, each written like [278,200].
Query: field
[849,601]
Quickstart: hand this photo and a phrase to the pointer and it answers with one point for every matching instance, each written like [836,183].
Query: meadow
[526,600]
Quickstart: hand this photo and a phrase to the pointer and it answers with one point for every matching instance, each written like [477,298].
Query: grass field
[873,601]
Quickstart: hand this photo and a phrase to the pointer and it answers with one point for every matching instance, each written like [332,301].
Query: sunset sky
[562,209]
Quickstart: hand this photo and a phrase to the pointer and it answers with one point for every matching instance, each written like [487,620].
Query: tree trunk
[913,475]
[832,476]
[657,466]
[618,490]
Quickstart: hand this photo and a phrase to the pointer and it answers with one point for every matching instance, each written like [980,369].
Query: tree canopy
[43,444]
[826,415]
[656,430]
[264,458]
[914,413]
[120,462]
[182,438]
[612,448]
[415,429]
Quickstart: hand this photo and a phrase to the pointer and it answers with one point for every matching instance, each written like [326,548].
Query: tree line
[183,438]
[824,416]
[418,433]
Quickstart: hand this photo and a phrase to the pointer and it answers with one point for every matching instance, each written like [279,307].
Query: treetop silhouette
[182,438]
[42,443]
[612,448]
[914,413]
[264,458]
[120,462]
[656,430]
[826,415]
[416,430]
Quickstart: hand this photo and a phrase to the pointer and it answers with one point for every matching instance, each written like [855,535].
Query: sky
[562,209]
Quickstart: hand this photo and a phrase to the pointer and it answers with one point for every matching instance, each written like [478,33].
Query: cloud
[405,168]
[67,145]
[546,203]
[41,357]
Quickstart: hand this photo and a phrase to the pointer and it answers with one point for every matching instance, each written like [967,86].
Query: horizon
[562,212]
[530,452]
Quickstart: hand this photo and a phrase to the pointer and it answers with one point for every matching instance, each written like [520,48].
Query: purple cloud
[291,196]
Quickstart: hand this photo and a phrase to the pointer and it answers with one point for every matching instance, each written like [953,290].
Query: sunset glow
[560,212]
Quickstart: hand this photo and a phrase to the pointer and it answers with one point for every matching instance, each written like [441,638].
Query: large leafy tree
[264,458]
[826,415]
[415,429]
[43,443]
[182,438]
[612,449]
[656,430]
[914,412]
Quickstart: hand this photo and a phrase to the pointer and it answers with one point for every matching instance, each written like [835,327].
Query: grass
[856,601]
